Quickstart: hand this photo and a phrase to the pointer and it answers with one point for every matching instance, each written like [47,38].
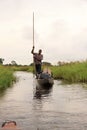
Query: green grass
[22,68]
[6,77]
[73,73]
[76,72]
[7,74]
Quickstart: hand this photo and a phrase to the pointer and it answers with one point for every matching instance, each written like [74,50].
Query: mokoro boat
[44,80]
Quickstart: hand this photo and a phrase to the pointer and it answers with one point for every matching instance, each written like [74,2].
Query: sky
[60,30]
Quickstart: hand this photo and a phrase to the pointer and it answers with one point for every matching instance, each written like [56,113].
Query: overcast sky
[60,30]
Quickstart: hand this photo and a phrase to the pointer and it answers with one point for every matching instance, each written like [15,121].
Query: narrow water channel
[64,107]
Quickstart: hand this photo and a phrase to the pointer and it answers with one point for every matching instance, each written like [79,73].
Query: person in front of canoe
[38,57]
[9,125]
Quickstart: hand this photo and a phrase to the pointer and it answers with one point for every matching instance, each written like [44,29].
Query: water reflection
[41,99]
[2,92]
[39,93]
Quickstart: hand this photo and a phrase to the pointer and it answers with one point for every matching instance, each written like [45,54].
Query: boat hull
[44,83]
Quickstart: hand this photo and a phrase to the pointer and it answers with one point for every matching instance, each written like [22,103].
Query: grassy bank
[71,72]
[22,68]
[6,77]
[75,72]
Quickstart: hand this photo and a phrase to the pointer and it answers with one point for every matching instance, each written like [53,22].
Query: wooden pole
[33,28]
[34,69]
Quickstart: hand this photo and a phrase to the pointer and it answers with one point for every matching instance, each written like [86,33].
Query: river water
[64,107]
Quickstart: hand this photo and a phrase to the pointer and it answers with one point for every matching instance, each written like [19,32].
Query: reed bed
[76,72]
[22,68]
[6,77]
[73,72]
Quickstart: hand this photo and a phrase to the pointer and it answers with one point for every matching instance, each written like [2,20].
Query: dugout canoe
[44,80]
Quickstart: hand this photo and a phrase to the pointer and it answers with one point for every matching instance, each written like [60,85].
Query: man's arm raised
[32,51]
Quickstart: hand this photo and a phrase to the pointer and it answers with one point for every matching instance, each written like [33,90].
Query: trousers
[38,68]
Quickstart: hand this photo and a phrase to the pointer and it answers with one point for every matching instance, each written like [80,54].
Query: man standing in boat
[38,57]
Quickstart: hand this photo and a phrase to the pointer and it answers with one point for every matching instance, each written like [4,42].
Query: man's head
[40,51]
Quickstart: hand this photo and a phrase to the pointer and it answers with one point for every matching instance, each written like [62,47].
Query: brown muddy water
[64,107]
